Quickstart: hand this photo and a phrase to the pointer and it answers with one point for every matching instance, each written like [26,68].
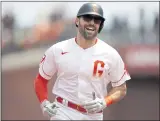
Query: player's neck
[83,43]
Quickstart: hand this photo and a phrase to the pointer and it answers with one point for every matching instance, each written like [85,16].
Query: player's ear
[77,21]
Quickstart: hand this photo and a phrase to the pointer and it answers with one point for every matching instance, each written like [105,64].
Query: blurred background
[29,28]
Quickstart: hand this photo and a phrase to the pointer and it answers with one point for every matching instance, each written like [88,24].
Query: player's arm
[40,86]
[47,68]
[118,76]
[116,94]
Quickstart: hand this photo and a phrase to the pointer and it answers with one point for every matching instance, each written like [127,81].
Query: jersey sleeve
[118,73]
[47,66]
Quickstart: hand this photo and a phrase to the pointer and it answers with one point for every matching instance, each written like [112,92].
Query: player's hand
[95,106]
[49,109]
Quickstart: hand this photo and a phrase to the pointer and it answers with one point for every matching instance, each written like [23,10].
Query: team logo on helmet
[94,7]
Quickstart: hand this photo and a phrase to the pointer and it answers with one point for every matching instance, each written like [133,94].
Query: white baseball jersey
[83,71]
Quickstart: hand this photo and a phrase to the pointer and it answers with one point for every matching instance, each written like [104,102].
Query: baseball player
[84,66]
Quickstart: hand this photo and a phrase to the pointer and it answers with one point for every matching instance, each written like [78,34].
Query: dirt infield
[19,101]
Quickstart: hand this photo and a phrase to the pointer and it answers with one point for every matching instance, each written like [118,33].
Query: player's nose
[91,22]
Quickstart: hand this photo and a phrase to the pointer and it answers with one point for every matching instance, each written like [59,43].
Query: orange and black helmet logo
[94,8]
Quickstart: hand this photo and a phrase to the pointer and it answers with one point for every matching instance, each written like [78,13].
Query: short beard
[85,34]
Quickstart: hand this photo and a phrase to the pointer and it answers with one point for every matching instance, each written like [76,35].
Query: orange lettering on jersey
[95,70]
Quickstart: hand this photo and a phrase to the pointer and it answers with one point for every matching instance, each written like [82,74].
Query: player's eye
[88,18]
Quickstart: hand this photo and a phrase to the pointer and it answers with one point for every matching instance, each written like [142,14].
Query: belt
[73,105]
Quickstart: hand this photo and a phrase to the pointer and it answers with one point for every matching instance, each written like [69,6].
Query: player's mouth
[90,29]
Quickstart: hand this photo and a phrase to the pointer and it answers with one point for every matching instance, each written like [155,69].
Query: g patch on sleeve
[43,58]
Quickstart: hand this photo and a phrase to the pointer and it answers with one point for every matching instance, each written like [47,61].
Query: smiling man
[84,65]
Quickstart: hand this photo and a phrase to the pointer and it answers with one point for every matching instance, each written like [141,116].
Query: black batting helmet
[92,9]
